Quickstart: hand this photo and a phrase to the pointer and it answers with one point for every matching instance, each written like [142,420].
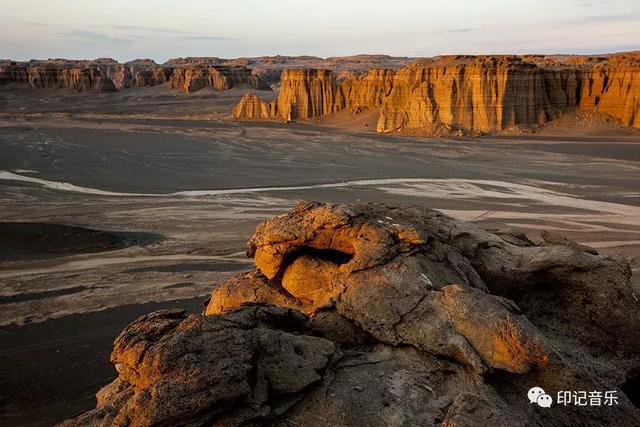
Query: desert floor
[182,188]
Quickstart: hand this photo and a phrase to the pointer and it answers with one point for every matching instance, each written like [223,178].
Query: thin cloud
[149,29]
[591,3]
[180,34]
[613,18]
[207,38]
[35,24]
[460,30]
[92,37]
[606,49]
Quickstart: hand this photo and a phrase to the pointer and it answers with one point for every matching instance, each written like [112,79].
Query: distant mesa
[79,76]
[442,95]
[194,78]
[109,76]
[469,94]
[188,74]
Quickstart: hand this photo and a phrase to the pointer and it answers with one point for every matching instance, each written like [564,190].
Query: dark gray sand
[51,370]
[35,240]
[157,163]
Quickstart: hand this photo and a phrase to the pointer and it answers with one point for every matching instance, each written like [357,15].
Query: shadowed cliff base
[419,318]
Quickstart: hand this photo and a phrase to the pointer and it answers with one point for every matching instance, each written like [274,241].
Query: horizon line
[593,53]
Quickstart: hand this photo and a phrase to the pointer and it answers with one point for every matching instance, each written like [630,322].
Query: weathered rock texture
[269,68]
[220,77]
[373,315]
[139,74]
[109,75]
[251,107]
[469,94]
[306,93]
[79,77]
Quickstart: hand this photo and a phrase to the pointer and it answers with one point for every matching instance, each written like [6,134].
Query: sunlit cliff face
[470,94]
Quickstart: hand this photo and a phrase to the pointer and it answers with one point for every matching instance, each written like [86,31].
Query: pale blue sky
[162,29]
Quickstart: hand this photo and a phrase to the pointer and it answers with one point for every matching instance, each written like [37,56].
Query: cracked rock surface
[373,315]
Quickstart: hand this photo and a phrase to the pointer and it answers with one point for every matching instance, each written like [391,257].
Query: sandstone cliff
[270,68]
[220,77]
[488,94]
[251,107]
[305,94]
[80,77]
[139,74]
[469,94]
[373,315]
[103,75]
[613,87]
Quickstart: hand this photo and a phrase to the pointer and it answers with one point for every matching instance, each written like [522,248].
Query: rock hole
[330,255]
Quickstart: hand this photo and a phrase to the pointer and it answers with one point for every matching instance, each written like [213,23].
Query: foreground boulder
[377,315]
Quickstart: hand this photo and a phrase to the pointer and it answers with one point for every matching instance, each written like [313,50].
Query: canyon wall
[613,87]
[188,74]
[308,93]
[469,94]
[220,77]
[42,76]
[139,74]
[109,75]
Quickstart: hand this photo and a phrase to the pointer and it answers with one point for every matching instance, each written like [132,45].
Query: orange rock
[502,337]
[137,74]
[468,94]
[251,107]
[306,270]
[249,287]
[384,336]
[192,78]
[109,75]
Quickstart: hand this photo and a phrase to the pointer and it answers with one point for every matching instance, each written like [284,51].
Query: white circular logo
[538,396]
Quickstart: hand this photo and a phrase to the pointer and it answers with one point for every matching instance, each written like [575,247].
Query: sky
[162,29]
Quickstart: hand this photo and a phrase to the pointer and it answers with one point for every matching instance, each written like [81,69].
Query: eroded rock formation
[220,77]
[78,77]
[140,73]
[251,107]
[370,315]
[269,68]
[109,75]
[469,94]
[305,94]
